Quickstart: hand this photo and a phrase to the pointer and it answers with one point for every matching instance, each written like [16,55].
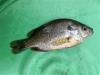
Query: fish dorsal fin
[41,29]
[29,34]
[32,32]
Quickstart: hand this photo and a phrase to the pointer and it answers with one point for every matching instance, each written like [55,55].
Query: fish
[56,34]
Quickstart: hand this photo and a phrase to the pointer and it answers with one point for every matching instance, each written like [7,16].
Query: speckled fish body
[56,34]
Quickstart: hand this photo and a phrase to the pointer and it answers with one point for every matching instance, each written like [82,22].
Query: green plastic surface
[17,17]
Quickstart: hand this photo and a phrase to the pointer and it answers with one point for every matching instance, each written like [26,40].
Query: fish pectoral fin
[61,41]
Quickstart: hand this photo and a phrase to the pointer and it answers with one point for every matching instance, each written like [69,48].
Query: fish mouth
[91,31]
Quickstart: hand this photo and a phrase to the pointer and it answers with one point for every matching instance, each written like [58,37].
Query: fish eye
[69,27]
[84,28]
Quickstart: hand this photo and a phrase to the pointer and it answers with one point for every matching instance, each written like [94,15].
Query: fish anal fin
[38,49]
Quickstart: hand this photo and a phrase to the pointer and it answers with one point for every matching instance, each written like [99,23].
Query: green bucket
[17,17]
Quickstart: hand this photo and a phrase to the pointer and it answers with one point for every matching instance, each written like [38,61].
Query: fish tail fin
[18,46]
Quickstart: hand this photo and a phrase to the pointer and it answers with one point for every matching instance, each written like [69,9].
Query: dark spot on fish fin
[38,49]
